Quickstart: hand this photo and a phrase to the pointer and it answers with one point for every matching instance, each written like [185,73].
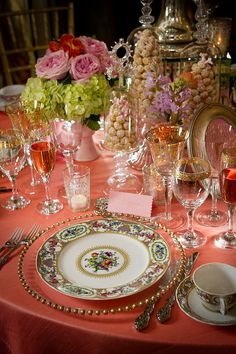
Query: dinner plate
[190,303]
[103,259]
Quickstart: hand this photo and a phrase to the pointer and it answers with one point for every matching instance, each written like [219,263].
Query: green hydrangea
[83,102]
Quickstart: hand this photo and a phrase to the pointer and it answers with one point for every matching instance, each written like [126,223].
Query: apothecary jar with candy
[120,137]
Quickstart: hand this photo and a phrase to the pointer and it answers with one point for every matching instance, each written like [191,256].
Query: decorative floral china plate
[103,259]
[190,303]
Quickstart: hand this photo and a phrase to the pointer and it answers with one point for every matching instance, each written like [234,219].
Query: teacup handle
[223,306]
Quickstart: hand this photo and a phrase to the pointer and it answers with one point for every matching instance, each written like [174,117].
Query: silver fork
[15,237]
[33,231]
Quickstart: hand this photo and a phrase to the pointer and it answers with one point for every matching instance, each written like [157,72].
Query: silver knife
[164,313]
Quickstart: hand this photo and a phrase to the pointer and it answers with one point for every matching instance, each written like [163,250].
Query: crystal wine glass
[43,155]
[228,191]
[191,187]
[213,216]
[12,159]
[167,143]
[24,121]
[219,134]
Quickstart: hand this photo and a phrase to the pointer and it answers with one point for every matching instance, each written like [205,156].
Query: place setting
[121,254]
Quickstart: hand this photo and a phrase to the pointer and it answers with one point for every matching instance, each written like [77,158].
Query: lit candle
[78,202]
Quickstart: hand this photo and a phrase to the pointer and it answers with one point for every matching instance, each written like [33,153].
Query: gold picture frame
[204,117]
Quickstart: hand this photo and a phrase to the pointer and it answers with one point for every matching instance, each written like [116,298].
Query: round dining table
[31,318]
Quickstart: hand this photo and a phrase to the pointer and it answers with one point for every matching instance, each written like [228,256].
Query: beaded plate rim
[177,277]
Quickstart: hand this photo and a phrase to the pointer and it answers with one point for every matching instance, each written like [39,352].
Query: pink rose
[84,66]
[97,48]
[54,65]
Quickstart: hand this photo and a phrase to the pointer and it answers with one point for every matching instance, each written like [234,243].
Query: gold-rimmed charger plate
[103,259]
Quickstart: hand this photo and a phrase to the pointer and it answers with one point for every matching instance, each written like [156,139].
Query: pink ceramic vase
[87,150]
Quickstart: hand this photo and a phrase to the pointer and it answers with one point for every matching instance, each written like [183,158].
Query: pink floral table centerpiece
[71,83]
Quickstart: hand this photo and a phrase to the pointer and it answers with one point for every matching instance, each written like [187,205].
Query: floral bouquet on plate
[71,80]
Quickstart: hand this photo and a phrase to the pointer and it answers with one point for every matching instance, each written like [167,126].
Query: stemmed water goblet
[12,160]
[219,134]
[227,178]
[25,121]
[43,155]
[167,144]
[191,186]
[67,135]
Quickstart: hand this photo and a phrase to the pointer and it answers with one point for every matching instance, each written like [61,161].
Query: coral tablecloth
[30,327]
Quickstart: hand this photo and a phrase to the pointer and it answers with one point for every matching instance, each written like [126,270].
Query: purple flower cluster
[170,99]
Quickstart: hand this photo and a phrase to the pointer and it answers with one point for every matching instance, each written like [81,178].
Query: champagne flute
[167,144]
[191,186]
[228,191]
[12,159]
[24,121]
[43,155]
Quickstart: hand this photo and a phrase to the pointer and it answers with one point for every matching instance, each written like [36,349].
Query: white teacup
[216,286]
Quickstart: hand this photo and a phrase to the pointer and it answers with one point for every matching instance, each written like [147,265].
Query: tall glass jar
[147,60]
[120,137]
[201,60]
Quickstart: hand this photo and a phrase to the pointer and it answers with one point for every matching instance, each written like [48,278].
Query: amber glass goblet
[167,144]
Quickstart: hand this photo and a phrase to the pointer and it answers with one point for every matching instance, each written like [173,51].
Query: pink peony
[84,66]
[97,48]
[54,65]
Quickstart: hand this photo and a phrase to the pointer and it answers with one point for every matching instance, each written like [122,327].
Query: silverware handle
[4,259]
[3,248]
[142,321]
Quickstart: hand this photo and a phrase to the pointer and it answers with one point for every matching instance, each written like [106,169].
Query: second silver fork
[33,231]
[15,237]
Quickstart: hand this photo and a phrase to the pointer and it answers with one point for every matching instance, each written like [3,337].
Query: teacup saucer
[190,304]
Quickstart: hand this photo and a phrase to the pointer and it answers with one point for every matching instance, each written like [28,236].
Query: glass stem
[230,232]
[190,214]
[33,179]
[166,180]
[15,193]
[46,184]
[214,196]
[69,162]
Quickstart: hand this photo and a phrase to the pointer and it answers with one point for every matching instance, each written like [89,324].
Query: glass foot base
[52,206]
[15,203]
[191,240]
[207,218]
[225,241]
[174,222]
[128,183]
